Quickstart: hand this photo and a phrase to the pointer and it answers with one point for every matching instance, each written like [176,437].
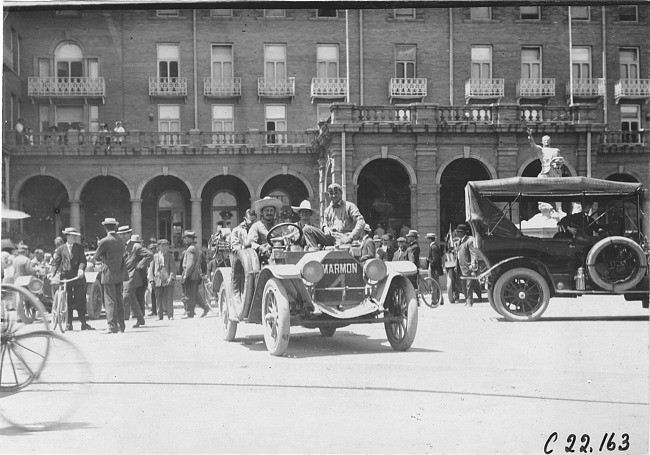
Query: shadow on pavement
[306,345]
[54,426]
[580,318]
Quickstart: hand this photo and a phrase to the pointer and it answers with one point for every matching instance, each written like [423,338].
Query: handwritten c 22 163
[609,443]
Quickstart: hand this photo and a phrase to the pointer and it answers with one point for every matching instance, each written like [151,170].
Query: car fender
[531,263]
[384,285]
[290,278]
[498,264]
[406,268]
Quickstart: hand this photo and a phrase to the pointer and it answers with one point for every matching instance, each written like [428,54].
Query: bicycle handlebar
[60,282]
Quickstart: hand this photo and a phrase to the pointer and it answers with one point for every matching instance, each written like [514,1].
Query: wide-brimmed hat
[136,238]
[124,229]
[431,235]
[268,201]
[10,214]
[189,233]
[110,221]
[462,228]
[70,231]
[304,205]
[412,233]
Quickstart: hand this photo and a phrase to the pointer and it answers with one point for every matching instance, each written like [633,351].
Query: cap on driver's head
[334,187]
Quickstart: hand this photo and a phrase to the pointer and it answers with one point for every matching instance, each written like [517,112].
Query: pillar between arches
[414,205]
[136,216]
[75,214]
[196,220]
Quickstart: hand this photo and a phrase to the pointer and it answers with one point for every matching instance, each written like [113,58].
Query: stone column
[75,214]
[196,220]
[414,205]
[136,217]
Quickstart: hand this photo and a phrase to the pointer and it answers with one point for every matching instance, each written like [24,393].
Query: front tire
[275,317]
[229,327]
[521,294]
[95,300]
[401,302]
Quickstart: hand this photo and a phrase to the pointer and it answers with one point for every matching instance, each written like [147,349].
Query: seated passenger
[305,212]
[343,222]
[580,223]
[257,235]
[239,235]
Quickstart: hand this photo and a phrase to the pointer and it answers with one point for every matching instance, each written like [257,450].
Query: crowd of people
[103,136]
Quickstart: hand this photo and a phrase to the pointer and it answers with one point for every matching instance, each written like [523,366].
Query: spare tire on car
[242,284]
[616,264]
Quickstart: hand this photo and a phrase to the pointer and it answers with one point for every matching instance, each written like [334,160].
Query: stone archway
[224,199]
[102,197]
[453,180]
[384,195]
[166,210]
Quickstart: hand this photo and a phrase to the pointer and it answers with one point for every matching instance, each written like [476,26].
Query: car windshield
[531,206]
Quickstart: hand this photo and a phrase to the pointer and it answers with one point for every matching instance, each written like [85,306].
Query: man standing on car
[110,251]
[192,275]
[468,263]
[343,222]
[70,261]
[434,261]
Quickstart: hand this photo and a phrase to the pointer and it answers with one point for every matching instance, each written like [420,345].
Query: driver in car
[257,235]
[343,222]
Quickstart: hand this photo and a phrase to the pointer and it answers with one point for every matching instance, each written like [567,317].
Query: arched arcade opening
[103,197]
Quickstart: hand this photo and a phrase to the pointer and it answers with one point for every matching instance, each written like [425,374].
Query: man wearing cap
[257,235]
[400,254]
[468,263]
[137,260]
[343,222]
[191,275]
[21,262]
[110,251]
[162,273]
[368,250]
[434,261]
[239,235]
[386,251]
[69,261]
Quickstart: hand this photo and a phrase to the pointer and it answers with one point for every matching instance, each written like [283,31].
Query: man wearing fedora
[137,259]
[468,263]
[434,261]
[413,253]
[343,222]
[191,275]
[110,251]
[267,209]
[69,261]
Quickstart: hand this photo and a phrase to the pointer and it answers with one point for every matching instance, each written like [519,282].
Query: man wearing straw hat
[70,261]
[266,209]
[305,213]
[110,251]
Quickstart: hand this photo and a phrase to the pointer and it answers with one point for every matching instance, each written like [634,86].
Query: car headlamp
[375,269]
[313,271]
[35,285]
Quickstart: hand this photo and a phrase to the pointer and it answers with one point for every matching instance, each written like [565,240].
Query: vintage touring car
[323,289]
[526,267]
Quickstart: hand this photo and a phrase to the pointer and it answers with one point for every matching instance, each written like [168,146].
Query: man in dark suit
[368,250]
[110,251]
[468,263]
[434,261]
[69,261]
[192,274]
[138,259]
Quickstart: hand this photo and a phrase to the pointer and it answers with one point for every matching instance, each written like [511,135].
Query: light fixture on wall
[151,116]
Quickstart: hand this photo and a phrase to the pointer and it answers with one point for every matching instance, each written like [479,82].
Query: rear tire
[95,300]
[228,327]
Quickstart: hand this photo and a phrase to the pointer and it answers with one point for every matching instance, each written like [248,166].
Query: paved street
[471,383]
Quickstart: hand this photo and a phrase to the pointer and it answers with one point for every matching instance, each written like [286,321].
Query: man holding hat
[343,222]
[434,261]
[266,209]
[69,261]
[190,278]
[137,260]
[110,251]
[468,262]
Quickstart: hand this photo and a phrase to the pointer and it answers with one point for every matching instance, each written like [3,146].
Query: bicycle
[428,291]
[60,304]
[25,352]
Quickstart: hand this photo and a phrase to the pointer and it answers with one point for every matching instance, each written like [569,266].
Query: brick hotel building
[224,106]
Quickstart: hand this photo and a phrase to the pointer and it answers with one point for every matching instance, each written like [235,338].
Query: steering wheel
[289,233]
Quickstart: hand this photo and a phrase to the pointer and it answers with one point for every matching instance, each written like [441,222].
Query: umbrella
[9,214]
[8,244]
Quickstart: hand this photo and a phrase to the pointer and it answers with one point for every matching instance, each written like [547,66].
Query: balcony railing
[382,114]
[329,87]
[8,57]
[550,114]
[465,114]
[138,143]
[276,88]
[66,86]
[222,87]
[408,88]
[632,89]
[167,86]
[622,142]
[535,88]
[593,87]
[484,89]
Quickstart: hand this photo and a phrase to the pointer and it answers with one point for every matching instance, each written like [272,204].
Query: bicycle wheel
[429,291]
[11,319]
[22,358]
[63,311]
[53,395]
[56,306]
